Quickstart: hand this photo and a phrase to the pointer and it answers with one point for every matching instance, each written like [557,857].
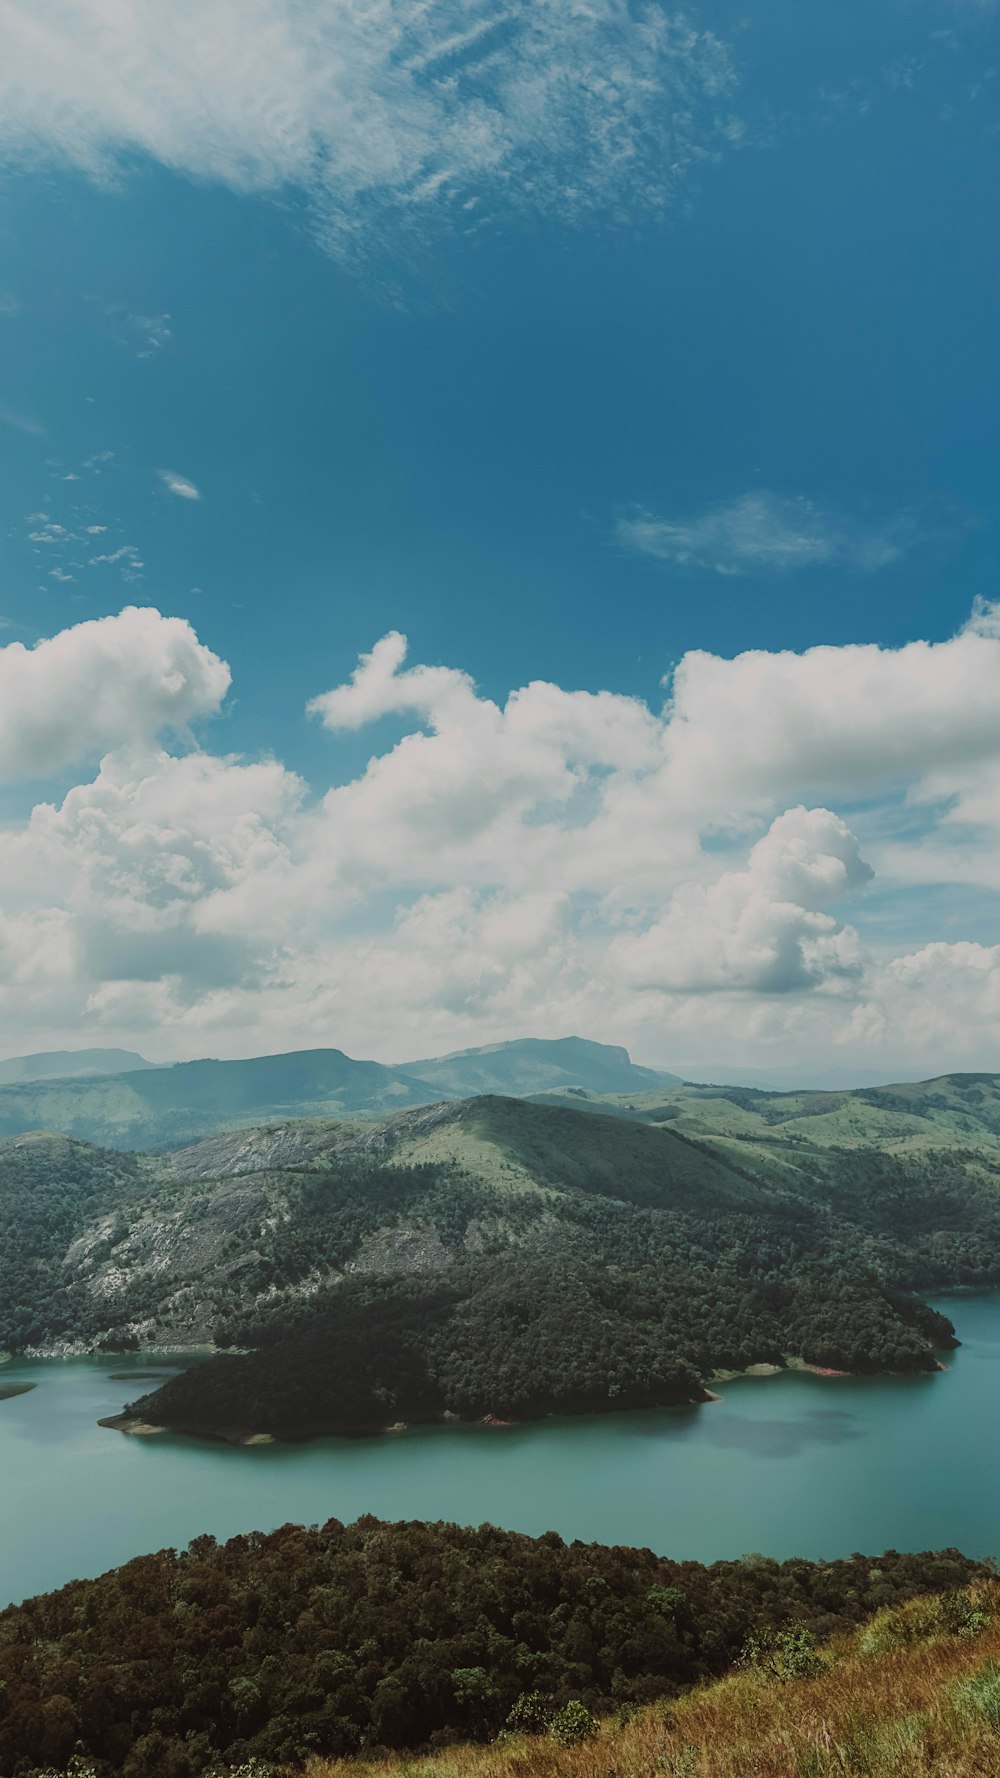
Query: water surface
[789,1465]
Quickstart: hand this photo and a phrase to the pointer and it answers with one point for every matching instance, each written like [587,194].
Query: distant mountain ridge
[156,1107]
[142,1106]
[69,1064]
[538,1065]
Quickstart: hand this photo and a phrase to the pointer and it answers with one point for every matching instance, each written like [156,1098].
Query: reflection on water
[784,1438]
[789,1465]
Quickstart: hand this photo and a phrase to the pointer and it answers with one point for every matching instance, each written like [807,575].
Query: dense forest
[374,1635]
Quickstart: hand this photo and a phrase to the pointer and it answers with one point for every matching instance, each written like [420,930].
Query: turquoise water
[789,1465]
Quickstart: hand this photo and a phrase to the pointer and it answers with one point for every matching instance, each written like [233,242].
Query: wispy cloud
[763,532]
[126,559]
[178,484]
[21,422]
[145,335]
[385,112]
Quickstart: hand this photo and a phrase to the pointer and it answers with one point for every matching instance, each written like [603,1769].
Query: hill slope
[914,1693]
[116,1104]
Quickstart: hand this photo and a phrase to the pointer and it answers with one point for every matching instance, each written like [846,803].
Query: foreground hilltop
[351,1639]
[490,1256]
[913,1693]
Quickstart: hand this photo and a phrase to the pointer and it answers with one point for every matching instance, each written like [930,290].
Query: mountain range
[507,1256]
[149,1107]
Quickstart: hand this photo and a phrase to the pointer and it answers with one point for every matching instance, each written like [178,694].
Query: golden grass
[906,1697]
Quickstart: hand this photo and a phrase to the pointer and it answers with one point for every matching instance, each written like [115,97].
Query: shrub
[531,1714]
[572,1724]
[784,1654]
[920,1620]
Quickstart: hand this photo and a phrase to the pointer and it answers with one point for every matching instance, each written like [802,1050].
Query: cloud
[762,928]
[379,110]
[21,422]
[765,533]
[178,484]
[849,718]
[555,860]
[148,334]
[99,685]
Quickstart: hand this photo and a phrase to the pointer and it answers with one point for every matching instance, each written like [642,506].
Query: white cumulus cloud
[100,684]
[764,927]
[554,860]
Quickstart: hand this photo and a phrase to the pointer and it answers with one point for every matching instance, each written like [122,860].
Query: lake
[788,1465]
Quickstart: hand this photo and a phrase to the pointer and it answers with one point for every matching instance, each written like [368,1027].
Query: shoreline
[135,1426]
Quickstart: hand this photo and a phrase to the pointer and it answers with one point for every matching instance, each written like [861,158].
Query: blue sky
[568,342]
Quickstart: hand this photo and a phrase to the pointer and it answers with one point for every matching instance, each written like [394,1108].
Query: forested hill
[489,1256]
[371,1636]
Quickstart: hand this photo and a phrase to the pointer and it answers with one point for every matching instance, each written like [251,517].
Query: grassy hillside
[957,1110]
[915,1693]
[349,1639]
[495,1256]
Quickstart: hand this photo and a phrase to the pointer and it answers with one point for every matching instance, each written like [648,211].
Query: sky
[498,529]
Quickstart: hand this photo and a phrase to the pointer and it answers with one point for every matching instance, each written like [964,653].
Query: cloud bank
[375,109]
[703,877]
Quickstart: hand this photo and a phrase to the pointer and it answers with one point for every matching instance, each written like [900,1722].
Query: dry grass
[907,1697]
